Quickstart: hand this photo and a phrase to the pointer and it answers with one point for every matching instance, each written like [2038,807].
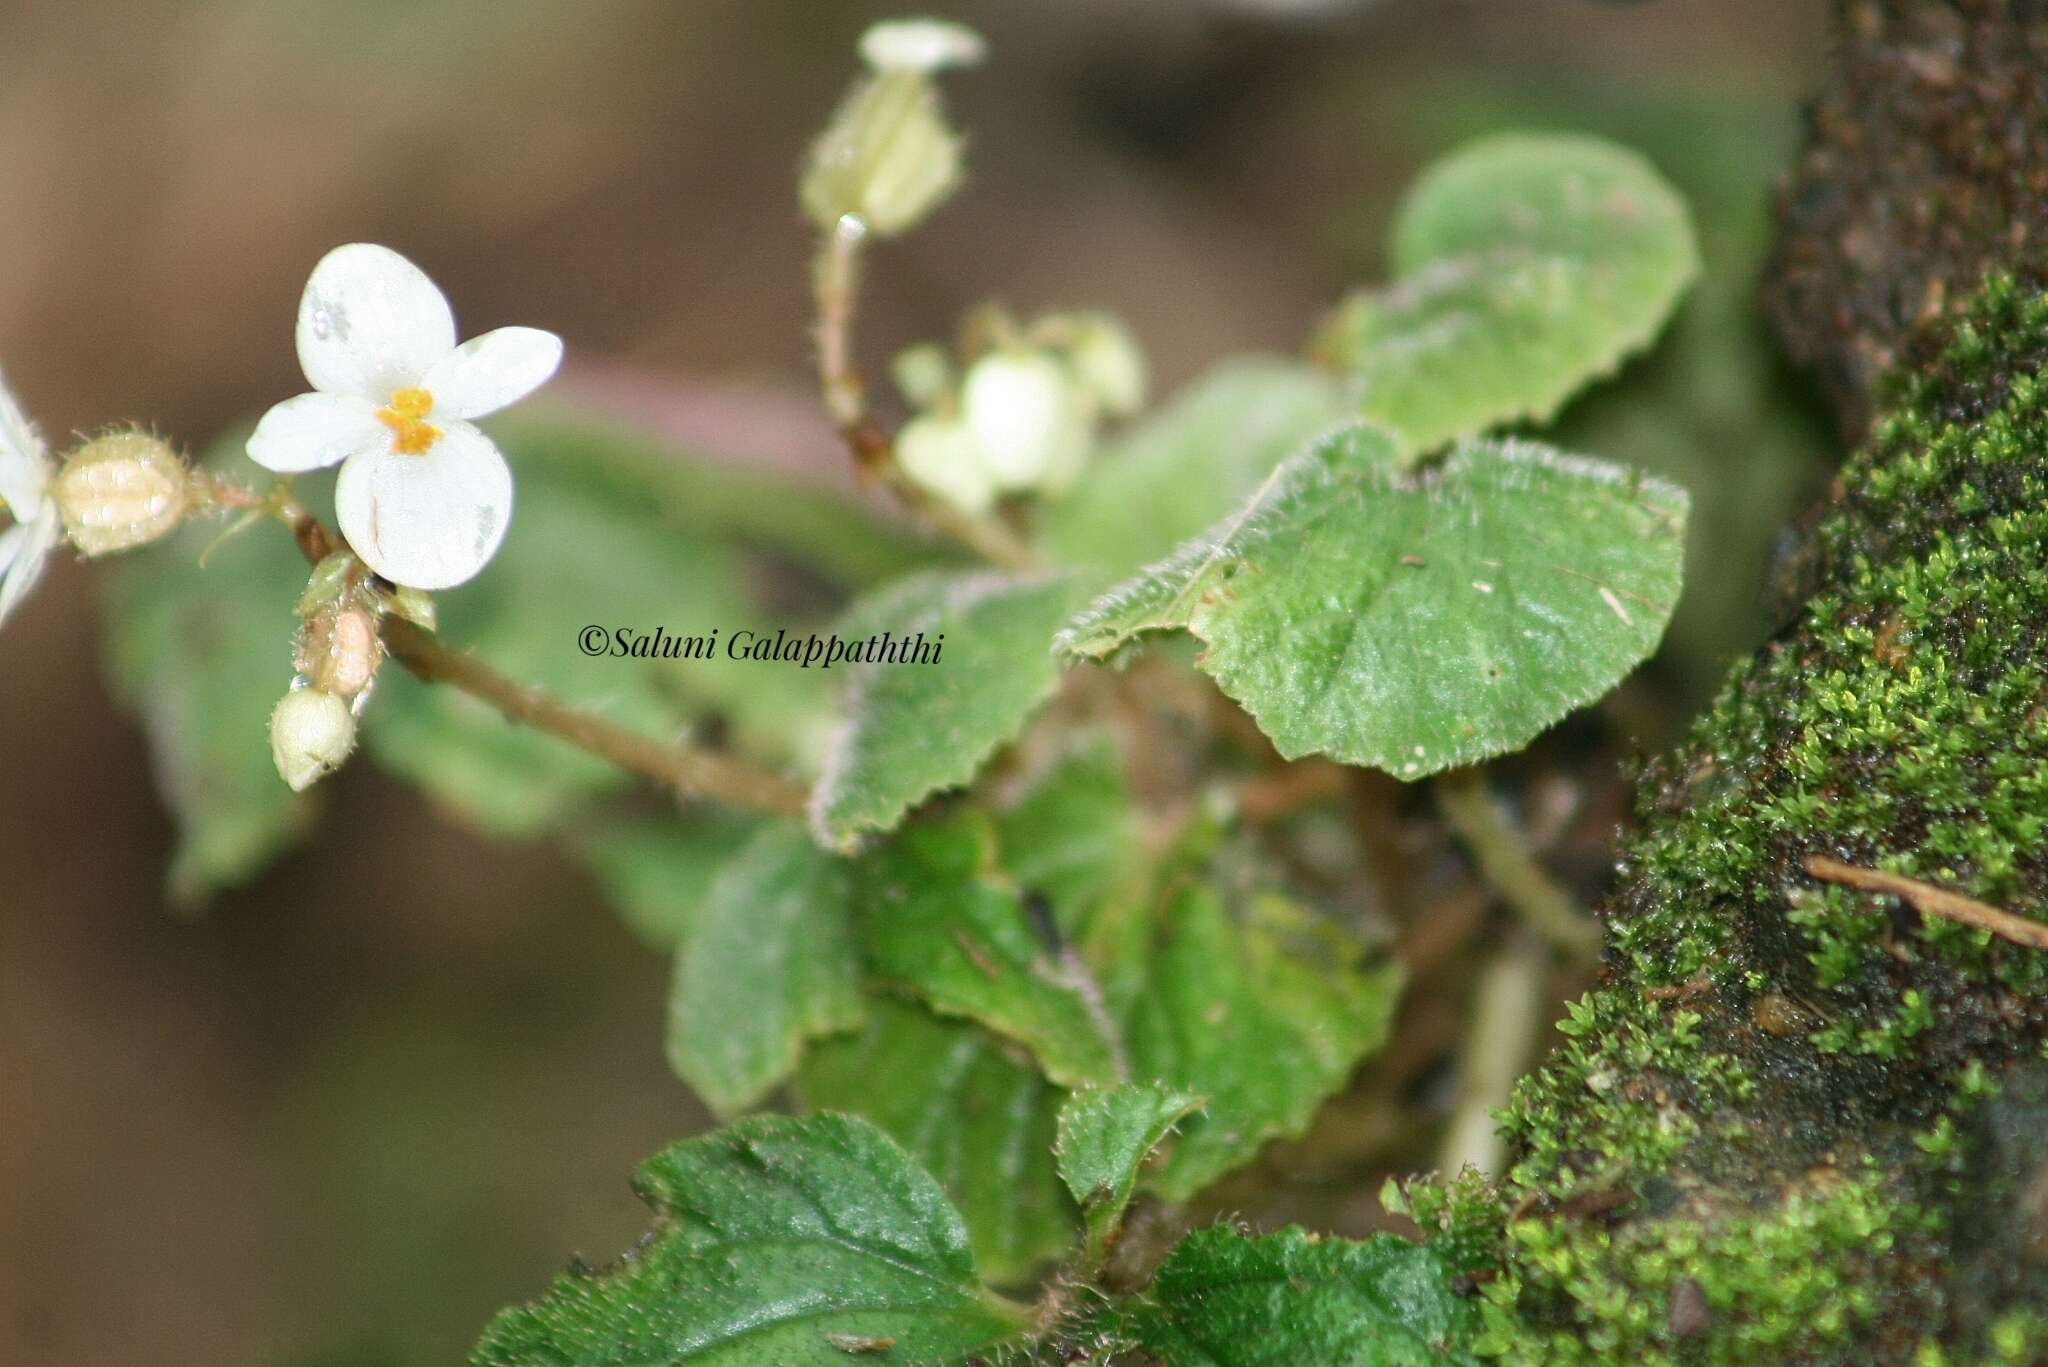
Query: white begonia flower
[424,497]
[921,45]
[941,456]
[1033,428]
[25,470]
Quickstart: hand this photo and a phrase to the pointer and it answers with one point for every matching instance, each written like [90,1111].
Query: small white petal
[428,521]
[24,460]
[925,45]
[314,431]
[487,373]
[370,322]
[24,552]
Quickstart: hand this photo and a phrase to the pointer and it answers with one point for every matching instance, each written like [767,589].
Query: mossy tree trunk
[1799,1121]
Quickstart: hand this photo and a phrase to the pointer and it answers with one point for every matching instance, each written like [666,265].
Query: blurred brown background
[400,1080]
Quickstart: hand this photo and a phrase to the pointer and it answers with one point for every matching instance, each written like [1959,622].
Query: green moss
[1759,1141]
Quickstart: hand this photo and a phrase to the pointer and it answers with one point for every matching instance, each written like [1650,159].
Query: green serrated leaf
[913,729]
[980,1120]
[779,1241]
[1226,1299]
[596,542]
[767,963]
[656,871]
[1105,1135]
[1189,464]
[941,921]
[1264,1014]
[1071,835]
[1527,265]
[201,656]
[1417,622]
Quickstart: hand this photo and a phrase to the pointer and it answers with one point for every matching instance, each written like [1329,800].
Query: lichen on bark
[1798,1121]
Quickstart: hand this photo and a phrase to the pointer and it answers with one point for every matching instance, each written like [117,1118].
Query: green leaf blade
[768,962]
[1226,1299]
[911,730]
[777,1237]
[1418,622]
[942,923]
[1105,1136]
[1528,265]
[978,1119]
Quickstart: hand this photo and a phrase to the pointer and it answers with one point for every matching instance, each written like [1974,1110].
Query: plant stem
[1930,900]
[692,772]
[1509,866]
[836,282]
[1507,1021]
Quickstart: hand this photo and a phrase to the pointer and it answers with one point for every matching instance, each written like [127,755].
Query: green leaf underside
[1072,833]
[779,1241]
[768,962]
[1264,1014]
[1416,622]
[940,921]
[201,656]
[978,1119]
[582,551]
[1225,1299]
[1526,266]
[1105,1135]
[911,730]
[1188,465]
[656,870]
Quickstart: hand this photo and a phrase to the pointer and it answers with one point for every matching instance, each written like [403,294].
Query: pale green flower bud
[923,374]
[940,455]
[1029,419]
[311,733]
[1108,363]
[925,45]
[888,158]
[120,491]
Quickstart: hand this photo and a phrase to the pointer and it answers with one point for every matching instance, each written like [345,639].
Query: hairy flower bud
[340,650]
[1027,417]
[940,455]
[120,491]
[923,373]
[311,733]
[888,158]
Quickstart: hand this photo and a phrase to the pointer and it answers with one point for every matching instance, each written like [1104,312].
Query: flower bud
[941,456]
[888,158]
[311,733]
[120,491]
[923,373]
[339,650]
[1031,425]
[925,45]
[1108,363]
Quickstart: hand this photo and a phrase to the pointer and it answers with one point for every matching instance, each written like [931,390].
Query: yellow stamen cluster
[406,417]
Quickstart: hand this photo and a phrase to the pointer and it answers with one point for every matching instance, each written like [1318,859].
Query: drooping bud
[925,45]
[120,491]
[1027,417]
[1108,363]
[941,456]
[888,158]
[311,733]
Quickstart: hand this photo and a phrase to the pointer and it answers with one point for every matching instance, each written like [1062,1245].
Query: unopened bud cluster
[1024,412]
[888,158]
[337,655]
[122,490]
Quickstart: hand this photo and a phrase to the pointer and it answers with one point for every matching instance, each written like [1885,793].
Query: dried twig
[1930,900]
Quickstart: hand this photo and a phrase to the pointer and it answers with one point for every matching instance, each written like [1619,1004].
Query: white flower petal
[314,431]
[24,460]
[370,322]
[925,45]
[24,552]
[487,373]
[428,521]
